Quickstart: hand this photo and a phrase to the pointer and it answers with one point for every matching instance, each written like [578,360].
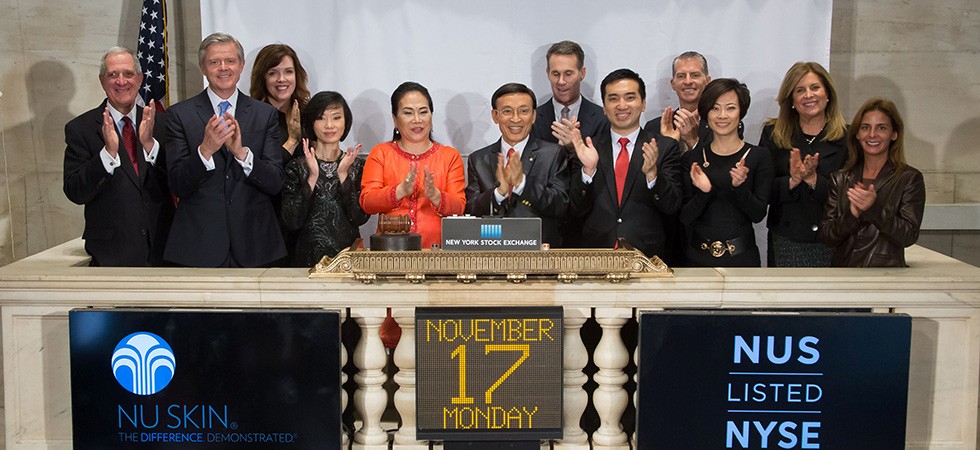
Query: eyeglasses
[509,112]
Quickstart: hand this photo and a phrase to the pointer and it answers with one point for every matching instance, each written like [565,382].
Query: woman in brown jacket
[874,207]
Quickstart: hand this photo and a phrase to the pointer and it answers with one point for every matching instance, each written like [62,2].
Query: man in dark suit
[224,165]
[566,70]
[568,109]
[114,166]
[629,182]
[519,175]
[689,75]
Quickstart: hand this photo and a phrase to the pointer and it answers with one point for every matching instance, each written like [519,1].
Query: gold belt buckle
[718,248]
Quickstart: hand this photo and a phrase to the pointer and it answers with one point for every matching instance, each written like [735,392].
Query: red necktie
[622,165]
[129,141]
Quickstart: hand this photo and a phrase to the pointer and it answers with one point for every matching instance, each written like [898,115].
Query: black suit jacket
[643,214]
[591,118]
[224,217]
[127,216]
[545,193]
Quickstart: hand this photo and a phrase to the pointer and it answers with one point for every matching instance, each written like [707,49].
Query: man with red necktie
[630,181]
[115,167]
[519,175]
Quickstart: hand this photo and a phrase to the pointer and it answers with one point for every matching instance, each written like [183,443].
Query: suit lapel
[527,156]
[607,168]
[636,164]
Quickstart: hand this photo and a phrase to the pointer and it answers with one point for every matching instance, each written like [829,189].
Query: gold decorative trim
[564,265]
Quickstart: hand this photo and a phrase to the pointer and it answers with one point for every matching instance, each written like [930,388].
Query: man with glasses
[114,166]
[224,165]
[519,175]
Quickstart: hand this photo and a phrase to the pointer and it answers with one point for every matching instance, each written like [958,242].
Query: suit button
[143,231]
[814,227]
[620,220]
[656,196]
[227,177]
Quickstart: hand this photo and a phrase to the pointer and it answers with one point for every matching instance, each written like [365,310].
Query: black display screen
[489,373]
[760,380]
[169,379]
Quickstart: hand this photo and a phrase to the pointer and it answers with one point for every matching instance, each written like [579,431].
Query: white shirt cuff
[208,163]
[651,184]
[519,189]
[108,161]
[247,163]
[151,157]
[586,178]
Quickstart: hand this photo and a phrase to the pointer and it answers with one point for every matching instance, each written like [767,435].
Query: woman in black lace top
[321,188]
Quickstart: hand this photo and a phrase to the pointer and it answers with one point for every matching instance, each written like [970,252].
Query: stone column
[370,399]
[610,398]
[576,399]
[405,378]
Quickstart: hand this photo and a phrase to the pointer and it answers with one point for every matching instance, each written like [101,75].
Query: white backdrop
[462,50]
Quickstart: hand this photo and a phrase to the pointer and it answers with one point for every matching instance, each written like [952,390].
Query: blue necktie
[224,105]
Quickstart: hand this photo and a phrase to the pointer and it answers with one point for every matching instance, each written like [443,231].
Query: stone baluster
[610,398]
[370,399]
[576,399]
[405,378]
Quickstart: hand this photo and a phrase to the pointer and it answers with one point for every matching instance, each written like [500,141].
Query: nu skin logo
[143,363]
[491,231]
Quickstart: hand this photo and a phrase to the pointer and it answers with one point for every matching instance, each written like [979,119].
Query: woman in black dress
[728,185]
[807,145]
[321,188]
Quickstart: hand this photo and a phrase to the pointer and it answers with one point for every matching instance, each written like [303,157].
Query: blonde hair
[789,118]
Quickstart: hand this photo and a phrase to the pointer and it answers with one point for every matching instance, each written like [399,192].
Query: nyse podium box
[489,374]
[491,233]
[211,379]
[767,380]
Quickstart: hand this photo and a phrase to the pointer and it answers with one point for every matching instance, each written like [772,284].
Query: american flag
[152,53]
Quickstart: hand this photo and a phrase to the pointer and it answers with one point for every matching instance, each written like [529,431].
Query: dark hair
[896,148]
[314,109]
[566,48]
[622,74]
[719,86]
[402,90]
[512,88]
[689,55]
[269,57]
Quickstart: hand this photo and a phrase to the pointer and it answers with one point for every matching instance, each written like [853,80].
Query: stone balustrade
[942,295]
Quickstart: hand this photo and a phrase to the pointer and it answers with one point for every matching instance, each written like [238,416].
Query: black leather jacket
[878,238]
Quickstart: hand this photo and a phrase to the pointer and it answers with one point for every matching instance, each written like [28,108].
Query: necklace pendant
[705,164]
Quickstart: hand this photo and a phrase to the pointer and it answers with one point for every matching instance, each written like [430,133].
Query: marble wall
[922,54]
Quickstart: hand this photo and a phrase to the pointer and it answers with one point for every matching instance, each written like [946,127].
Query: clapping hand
[699,178]
[293,128]
[430,190]
[650,154]
[146,127]
[740,172]
[311,164]
[688,123]
[109,135]
[562,130]
[407,186]
[861,198]
[503,185]
[585,152]
[346,161]
[217,132]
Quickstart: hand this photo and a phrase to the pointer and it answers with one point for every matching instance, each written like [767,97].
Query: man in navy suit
[688,77]
[629,183]
[224,165]
[519,175]
[566,70]
[568,109]
[114,166]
